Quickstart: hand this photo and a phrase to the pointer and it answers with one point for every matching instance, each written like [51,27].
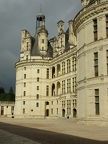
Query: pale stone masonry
[7,108]
[66,76]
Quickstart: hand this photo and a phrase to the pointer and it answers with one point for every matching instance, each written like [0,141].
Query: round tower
[90,26]
[42,34]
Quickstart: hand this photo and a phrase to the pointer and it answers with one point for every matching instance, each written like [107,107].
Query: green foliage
[2,90]
[11,90]
[10,96]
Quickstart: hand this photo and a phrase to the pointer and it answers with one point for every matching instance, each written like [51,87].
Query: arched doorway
[46,109]
[2,110]
[47,112]
[53,72]
[53,89]
[63,112]
[74,113]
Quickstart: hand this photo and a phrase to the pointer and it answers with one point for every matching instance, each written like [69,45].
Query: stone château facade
[67,75]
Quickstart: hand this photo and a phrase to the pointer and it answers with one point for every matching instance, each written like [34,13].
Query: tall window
[68,65]
[74,103]
[37,104]
[63,67]
[24,76]
[24,84]
[37,79]
[73,64]
[97,101]
[95,30]
[107,60]
[53,72]
[23,102]
[37,96]
[47,90]
[37,70]
[57,110]
[107,26]
[26,57]
[68,85]
[96,63]
[47,75]
[24,68]
[23,111]
[37,87]
[68,107]
[63,86]
[63,104]
[74,84]
[42,40]
[51,111]
[24,93]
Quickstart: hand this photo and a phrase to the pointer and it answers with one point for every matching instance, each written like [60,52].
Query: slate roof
[35,49]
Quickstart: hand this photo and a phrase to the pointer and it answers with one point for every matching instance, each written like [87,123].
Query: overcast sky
[16,15]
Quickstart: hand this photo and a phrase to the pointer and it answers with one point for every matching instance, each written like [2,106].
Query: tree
[2,90]
[11,90]
[10,96]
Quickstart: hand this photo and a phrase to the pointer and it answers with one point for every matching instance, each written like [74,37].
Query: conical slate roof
[35,49]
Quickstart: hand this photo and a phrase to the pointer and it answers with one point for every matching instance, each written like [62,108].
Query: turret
[42,34]
[39,19]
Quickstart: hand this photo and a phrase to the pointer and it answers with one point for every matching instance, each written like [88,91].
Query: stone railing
[7,102]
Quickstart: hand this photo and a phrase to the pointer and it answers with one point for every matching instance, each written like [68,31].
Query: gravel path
[60,131]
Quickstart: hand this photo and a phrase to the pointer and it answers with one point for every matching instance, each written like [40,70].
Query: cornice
[89,12]
[84,49]
[32,63]
[101,80]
